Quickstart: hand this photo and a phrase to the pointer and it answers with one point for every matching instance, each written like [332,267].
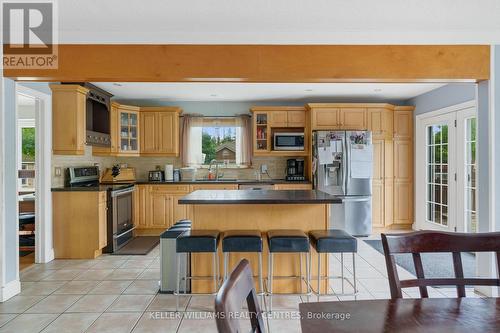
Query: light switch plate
[57,171]
[263,168]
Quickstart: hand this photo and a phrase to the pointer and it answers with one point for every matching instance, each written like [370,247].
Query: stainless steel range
[119,204]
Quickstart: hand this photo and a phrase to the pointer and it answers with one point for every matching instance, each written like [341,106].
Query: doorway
[26,171]
[33,154]
[446,169]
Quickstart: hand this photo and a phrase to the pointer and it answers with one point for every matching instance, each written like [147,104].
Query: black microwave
[288,141]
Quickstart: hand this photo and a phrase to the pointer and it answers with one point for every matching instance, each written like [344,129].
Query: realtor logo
[29,31]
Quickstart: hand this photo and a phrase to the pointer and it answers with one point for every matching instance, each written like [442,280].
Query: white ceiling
[279,21]
[265,91]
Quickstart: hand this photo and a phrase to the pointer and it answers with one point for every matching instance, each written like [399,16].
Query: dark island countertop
[248,197]
[96,188]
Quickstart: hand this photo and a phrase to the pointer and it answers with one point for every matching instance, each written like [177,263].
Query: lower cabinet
[378,207]
[293,186]
[403,203]
[157,207]
[79,233]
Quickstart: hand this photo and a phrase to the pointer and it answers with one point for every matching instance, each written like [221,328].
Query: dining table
[429,315]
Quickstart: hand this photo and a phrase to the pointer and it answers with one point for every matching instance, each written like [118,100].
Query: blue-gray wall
[451,94]
[224,108]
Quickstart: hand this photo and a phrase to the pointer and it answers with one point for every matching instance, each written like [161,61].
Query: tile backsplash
[276,166]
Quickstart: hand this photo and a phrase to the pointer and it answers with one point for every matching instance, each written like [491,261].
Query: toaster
[156,176]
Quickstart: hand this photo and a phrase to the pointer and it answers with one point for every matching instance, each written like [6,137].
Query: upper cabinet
[124,132]
[127,140]
[332,116]
[380,122]
[270,119]
[159,131]
[325,118]
[68,119]
[353,118]
[403,122]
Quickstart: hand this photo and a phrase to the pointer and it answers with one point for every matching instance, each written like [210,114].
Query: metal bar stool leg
[178,282]
[261,281]
[300,271]
[270,281]
[342,270]
[226,259]
[215,271]
[354,271]
[308,274]
[319,275]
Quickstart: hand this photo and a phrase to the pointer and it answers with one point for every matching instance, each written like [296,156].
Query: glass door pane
[470,170]
[437,174]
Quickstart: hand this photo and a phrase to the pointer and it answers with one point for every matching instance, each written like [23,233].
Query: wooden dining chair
[430,241]
[237,288]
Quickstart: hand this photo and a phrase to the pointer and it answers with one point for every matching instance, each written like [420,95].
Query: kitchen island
[261,210]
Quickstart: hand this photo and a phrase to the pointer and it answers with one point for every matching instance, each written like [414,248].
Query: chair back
[237,288]
[431,241]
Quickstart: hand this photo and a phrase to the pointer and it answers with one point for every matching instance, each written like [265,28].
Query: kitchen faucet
[214,161]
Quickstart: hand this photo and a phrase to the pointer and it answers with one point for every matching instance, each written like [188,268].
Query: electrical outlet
[263,168]
[57,171]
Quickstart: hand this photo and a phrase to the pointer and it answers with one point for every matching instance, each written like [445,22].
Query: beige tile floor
[119,294]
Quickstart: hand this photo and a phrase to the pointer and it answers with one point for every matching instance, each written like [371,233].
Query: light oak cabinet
[353,119]
[278,119]
[103,220]
[296,118]
[293,187]
[403,123]
[403,166]
[334,116]
[159,131]
[270,119]
[68,119]
[157,207]
[325,118]
[128,130]
[380,123]
[79,233]
[378,207]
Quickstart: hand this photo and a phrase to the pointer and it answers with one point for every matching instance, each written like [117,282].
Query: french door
[446,171]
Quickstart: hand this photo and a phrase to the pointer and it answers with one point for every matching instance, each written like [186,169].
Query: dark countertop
[105,187]
[98,188]
[223,181]
[238,197]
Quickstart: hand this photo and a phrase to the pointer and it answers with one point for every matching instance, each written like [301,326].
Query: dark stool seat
[288,240]
[198,241]
[26,218]
[333,241]
[242,241]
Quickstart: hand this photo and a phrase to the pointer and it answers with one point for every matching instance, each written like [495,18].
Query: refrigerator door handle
[344,165]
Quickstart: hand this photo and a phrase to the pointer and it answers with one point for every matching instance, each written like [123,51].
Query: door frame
[420,155]
[44,249]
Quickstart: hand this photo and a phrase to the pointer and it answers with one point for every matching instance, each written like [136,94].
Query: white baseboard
[50,255]
[10,290]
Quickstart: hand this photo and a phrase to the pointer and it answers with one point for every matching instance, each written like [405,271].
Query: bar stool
[288,241]
[243,241]
[197,241]
[334,241]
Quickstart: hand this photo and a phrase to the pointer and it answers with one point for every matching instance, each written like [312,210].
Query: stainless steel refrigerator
[343,166]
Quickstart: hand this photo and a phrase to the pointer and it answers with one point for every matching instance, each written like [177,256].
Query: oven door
[122,223]
[289,141]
